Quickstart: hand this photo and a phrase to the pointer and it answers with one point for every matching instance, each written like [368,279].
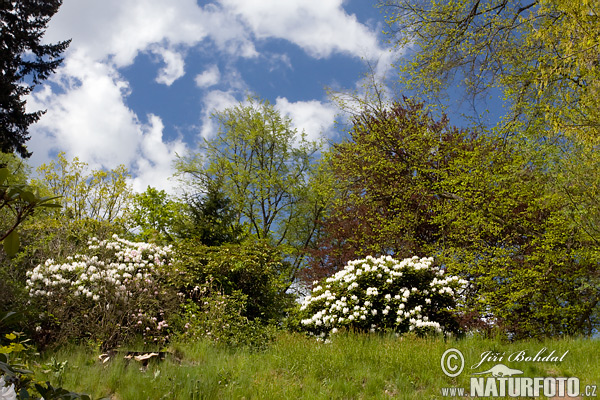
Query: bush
[43,237]
[253,269]
[218,317]
[16,380]
[113,293]
[383,294]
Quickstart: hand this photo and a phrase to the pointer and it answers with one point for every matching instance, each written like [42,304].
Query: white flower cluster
[90,277]
[381,293]
[7,392]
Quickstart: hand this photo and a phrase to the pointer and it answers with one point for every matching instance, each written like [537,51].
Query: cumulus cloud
[314,117]
[320,27]
[118,30]
[209,77]
[155,166]
[88,111]
[89,119]
[174,66]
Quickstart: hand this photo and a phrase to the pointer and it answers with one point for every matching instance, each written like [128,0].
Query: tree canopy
[541,54]
[408,184]
[267,169]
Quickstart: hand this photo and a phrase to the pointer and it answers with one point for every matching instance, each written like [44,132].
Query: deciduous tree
[101,195]
[267,169]
[541,54]
[486,208]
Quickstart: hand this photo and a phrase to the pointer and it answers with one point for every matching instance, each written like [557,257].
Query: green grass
[352,366]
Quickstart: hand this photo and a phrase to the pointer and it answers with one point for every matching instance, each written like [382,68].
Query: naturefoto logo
[503,381]
[500,370]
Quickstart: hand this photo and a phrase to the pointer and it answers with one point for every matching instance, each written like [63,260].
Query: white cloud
[320,27]
[88,115]
[155,166]
[174,66]
[91,121]
[215,100]
[315,118]
[120,29]
[209,77]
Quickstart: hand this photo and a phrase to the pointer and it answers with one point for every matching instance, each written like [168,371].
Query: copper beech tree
[408,184]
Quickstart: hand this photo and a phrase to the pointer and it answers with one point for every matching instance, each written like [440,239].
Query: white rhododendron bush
[384,294]
[113,292]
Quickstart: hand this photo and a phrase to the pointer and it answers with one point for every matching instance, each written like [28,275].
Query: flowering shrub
[375,294]
[109,294]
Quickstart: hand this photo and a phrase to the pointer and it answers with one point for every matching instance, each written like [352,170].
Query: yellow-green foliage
[542,56]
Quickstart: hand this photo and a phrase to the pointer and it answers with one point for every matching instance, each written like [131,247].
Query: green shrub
[209,313]
[17,381]
[253,269]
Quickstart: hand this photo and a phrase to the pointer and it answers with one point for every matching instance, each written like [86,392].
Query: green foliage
[211,218]
[255,270]
[541,55]
[153,213]
[492,211]
[99,194]
[387,186]
[14,359]
[265,167]
[212,315]
[17,203]
[533,214]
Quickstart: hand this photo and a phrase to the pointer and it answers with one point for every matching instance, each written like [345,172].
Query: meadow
[294,366]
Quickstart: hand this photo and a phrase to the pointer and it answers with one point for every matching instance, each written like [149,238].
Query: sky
[141,77]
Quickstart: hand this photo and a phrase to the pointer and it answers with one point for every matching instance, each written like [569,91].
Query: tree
[18,202]
[386,178]
[154,214]
[541,54]
[25,62]
[266,169]
[210,218]
[412,185]
[99,194]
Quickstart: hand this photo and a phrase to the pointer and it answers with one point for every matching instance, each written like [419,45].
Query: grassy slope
[295,367]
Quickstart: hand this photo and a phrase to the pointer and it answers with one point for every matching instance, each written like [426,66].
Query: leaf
[9,317]
[11,244]
[24,394]
[28,196]
[13,192]
[50,205]
[3,175]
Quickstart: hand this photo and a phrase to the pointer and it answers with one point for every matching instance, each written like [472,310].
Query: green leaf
[3,175]
[9,317]
[11,244]
[28,196]
[51,205]
[13,192]
[24,394]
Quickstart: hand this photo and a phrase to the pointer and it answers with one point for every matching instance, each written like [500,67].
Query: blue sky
[141,77]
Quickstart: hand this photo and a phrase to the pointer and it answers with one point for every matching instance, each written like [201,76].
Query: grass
[352,366]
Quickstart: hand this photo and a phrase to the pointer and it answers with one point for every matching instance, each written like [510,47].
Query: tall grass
[352,366]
